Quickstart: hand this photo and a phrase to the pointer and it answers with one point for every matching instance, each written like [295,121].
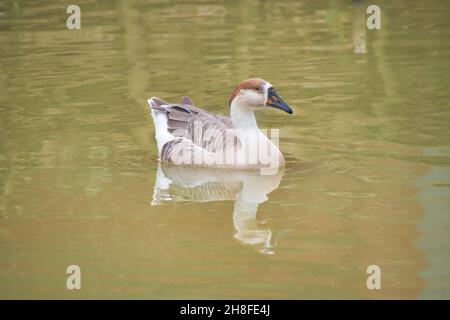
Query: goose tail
[160,118]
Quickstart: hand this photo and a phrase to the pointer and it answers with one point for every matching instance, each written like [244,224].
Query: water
[367,180]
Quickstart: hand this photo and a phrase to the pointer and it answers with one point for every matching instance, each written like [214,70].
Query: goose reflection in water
[248,189]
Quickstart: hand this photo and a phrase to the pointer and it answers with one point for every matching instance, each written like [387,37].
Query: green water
[367,179]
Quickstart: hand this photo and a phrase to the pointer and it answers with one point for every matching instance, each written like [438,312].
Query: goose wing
[206,130]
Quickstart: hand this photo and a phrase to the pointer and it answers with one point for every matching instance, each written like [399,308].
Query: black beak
[274,100]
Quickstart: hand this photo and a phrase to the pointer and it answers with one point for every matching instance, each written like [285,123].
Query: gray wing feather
[204,129]
[197,131]
[186,100]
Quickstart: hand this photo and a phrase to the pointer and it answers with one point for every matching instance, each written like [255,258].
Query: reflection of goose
[246,188]
[186,134]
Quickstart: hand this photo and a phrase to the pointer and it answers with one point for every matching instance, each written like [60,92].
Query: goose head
[253,94]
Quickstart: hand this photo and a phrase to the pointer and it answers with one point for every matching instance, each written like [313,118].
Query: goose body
[247,190]
[188,135]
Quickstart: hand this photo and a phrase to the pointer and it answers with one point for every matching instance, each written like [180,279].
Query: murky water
[367,180]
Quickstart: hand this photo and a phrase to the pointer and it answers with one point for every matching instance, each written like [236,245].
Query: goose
[188,135]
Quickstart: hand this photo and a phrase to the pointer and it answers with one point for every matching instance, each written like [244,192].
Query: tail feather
[157,103]
[160,118]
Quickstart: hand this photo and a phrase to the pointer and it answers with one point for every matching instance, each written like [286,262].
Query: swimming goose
[186,134]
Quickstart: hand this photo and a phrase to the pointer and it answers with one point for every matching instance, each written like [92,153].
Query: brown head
[257,93]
